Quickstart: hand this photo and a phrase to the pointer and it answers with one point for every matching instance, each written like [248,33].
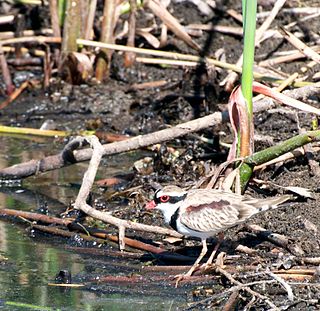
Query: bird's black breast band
[173,220]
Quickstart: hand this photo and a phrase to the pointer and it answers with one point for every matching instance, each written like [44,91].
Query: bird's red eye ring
[164,198]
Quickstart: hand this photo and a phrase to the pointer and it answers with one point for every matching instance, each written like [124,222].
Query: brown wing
[214,211]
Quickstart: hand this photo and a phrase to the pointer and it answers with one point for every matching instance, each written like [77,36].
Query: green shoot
[249,27]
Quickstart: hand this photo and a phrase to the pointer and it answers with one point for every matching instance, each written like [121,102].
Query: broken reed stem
[31,131]
[54,18]
[292,56]
[107,35]
[88,31]
[129,57]
[71,29]
[159,10]
[15,94]
[6,73]
[302,47]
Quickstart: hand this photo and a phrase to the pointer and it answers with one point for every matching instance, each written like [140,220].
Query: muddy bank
[125,105]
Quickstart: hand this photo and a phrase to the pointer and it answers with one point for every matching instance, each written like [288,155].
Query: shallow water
[29,265]
[30,260]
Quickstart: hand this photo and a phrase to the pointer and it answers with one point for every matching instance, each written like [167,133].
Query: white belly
[198,234]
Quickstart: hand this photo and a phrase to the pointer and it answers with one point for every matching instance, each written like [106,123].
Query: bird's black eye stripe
[177,199]
[172,199]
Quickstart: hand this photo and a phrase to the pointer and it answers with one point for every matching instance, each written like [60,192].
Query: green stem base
[258,158]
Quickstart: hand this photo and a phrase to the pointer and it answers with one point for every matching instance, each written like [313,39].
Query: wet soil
[188,94]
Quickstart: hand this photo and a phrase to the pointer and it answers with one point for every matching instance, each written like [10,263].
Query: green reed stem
[249,8]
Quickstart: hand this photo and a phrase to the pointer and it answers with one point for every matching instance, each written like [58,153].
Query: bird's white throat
[168,209]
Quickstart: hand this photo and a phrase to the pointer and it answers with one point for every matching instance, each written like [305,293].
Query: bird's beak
[151,205]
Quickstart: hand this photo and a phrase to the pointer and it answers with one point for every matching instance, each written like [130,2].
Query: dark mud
[188,94]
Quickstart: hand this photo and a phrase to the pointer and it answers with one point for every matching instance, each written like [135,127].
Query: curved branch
[81,200]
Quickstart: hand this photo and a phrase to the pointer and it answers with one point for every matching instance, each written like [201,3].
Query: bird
[203,213]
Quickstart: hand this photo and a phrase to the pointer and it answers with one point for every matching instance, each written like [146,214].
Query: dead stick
[14,94]
[120,254]
[65,222]
[233,269]
[6,73]
[230,304]
[57,161]
[119,279]
[153,279]
[197,304]
[105,252]
[67,234]
[130,242]
[53,162]
[309,260]
[277,239]
[35,216]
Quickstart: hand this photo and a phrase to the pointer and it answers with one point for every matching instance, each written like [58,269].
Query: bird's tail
[269,203]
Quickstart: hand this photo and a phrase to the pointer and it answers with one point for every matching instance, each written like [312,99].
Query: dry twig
[238,286]
[233,76]
[160,11]
[302,47]
[276,239]
[15,94]
[246,288]
[284,284]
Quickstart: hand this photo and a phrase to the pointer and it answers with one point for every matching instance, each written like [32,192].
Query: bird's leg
[220,239]
[194,266]
[202,254]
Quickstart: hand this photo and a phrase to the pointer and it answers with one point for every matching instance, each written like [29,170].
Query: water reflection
[34,259]
[29,260]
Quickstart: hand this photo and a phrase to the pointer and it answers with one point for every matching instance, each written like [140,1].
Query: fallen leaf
[172,240]
[304,192]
